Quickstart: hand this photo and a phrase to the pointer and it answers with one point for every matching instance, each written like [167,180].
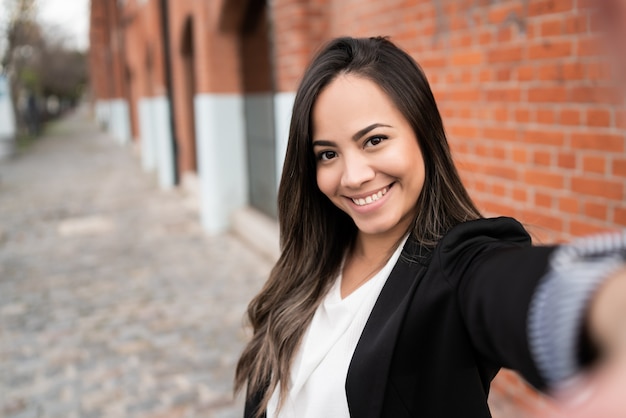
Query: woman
[393,297]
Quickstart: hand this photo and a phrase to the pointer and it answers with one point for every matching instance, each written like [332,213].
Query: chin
[377,228]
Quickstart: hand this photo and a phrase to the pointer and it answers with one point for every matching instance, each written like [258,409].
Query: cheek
[326,181]
[409,164]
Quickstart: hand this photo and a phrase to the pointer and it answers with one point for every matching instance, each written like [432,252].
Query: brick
[582,228]
[499,190]
[620,119]
[596,210]
[513,94]
[544,178]
[549,49]
[544,7]
[504,34]
[501,171]
[600,188]
[464,95]
[569,117]
[599,118]
[464,131]
[619,216]
[525,73]
[542,158]
[543,200]
[556,138]
[566,160]
[520,194]
[593,94]
[577,23]
[522,115]
[598,71]
[505,134]
[549,72]
[462,41]
[545,116]
[485,74]
[464,112]
[505,54]
[587,47]
[594,164]
[599,142]
[619,167]
[485,38]
[468,58]
[433,62]
[556,94]
[500,152]
[500,114]
[503,74]
[520,155]
[573,71]
[552,27]
[569,205]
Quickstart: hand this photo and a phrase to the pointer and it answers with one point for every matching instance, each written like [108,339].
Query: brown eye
[375,140]
[327,155]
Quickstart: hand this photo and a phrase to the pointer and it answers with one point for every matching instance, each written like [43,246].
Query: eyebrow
[359,134]
[365,130]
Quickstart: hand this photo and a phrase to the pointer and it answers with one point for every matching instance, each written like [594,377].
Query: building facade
[205,90]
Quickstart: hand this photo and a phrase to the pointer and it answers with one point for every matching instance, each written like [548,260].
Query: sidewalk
[113,302]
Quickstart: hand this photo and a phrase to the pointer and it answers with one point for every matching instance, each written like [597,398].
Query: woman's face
[369,163]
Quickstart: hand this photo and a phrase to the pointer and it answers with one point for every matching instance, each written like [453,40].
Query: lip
[364,195]
[372,206]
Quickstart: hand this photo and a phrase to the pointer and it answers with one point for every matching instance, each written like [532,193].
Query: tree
[38,60]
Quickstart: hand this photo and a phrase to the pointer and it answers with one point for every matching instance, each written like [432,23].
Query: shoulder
[484,231]
[467,242]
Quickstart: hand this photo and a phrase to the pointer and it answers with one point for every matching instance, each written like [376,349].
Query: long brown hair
[314,233]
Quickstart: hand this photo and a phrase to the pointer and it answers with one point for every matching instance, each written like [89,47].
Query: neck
[377,246]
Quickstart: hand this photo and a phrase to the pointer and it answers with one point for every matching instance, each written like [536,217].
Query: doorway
[255,54]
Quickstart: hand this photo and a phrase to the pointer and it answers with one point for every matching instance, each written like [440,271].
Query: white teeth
[370,199]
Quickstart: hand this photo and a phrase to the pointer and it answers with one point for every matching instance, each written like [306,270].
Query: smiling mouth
[367,200]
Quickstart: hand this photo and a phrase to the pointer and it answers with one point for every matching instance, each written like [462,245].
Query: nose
[356,171]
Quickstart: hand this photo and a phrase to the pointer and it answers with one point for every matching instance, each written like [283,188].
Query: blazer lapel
[367,376]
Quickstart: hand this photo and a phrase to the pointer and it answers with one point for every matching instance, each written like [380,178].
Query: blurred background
[189,104]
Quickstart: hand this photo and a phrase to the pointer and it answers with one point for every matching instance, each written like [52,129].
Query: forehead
[348,104]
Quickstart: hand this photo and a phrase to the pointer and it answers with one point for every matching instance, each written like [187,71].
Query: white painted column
[162,132]
[220,136]
[114,116]
[8,128]
[283,106]
[120,120]
[148,147]
[103,111]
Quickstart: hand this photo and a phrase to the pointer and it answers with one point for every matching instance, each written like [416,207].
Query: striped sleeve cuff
[557,311]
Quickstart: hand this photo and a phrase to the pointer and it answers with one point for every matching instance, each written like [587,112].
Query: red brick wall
[107,45]
[526,96]
[537,128]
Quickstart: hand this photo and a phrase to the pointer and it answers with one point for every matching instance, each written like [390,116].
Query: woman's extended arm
[600,393]
[530,308]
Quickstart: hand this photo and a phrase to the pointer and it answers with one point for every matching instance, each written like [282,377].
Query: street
[113,301]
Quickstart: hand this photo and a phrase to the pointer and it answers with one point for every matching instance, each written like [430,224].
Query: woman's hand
[602,392]
[598,395]
[607,316]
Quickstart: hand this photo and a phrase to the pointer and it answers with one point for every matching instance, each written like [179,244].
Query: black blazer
[445,322]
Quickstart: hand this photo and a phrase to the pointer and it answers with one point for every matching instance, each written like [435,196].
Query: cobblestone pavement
[113,302]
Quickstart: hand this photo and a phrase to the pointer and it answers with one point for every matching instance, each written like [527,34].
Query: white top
[320,367]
